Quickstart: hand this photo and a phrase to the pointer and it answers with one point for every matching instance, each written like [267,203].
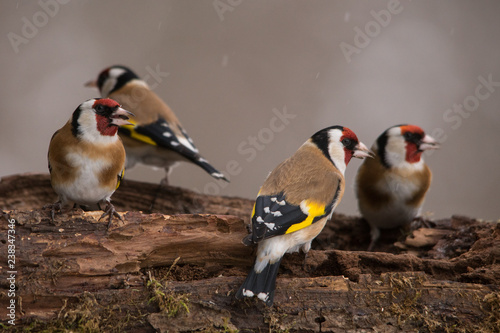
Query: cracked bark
[74,273]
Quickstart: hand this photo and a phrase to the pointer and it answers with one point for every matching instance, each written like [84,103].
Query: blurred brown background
[233,65]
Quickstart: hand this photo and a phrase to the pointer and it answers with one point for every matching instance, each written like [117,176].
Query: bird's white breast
[86,188]
[401,188]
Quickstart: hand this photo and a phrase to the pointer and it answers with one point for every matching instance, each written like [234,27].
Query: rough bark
[177,269]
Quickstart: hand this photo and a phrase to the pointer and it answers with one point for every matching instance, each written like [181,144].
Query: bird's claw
[110,210]
[53,207]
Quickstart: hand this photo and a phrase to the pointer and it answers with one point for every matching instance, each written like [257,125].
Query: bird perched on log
[391,187]
[295,202]
[155,137]
[86,157]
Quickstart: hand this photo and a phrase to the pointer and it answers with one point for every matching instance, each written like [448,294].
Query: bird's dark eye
[99,108]
[412,137]
[346,142]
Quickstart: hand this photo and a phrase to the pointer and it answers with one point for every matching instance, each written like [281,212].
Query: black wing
[161,134]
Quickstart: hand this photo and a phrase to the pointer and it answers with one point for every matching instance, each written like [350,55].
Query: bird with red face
[87,158]
[295,202]
[391,187]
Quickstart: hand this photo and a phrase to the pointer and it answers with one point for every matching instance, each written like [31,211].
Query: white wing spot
[270,226]
[274,199]
[304,208]
[259,219]
[174,143]
[267,210]
[165,124]
[187,144]
[282,202]
[277,213]
[167,134]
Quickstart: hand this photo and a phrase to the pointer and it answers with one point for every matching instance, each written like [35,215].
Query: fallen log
[177,269]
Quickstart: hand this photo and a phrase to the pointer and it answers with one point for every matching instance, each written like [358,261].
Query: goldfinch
[155,137]
[86,157]
[295,202]
[391,187]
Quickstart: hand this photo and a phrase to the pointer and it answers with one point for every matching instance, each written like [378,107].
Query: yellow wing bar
[138,136]
[311,209]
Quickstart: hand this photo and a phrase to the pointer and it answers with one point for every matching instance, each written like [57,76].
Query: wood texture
[145,274]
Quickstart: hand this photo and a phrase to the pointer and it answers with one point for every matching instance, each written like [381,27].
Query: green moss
[86,316]
[491,306]
[167,300]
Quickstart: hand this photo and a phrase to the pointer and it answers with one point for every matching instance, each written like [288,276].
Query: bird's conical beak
[427,143]
[91,84]
[362,151]
[120,117]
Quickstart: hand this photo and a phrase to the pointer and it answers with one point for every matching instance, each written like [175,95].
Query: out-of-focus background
[252,80]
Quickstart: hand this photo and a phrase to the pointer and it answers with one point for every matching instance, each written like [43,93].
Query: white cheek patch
[88,129]
[110,82]
[395,150]
[108,85]
[336,150]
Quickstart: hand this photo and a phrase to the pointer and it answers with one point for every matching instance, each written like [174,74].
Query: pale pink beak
[428,143]
[120,117]
[362,151]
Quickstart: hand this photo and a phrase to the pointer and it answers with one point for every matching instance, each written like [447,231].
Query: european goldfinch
[86,157]
[391,187]
[295,202]
[155,137]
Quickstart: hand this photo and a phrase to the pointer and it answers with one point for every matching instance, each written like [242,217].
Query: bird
[86,157]
[391,187]
[155,137]
[296,200]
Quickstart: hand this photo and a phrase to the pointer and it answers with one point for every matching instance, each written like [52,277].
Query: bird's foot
[420,222]
[110,210]
[304,266]
[53,207]
[375,235]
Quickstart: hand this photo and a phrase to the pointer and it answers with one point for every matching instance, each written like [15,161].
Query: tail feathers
[201,162]
[261,284]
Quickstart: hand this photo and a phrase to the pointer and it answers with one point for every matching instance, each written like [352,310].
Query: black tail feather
[209,168]
[261,284]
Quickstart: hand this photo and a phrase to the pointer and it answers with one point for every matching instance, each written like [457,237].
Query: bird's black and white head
[113,78]
[339,144]
[402,146]
[97,120]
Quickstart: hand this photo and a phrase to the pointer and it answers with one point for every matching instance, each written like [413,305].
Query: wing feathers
[159,133]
